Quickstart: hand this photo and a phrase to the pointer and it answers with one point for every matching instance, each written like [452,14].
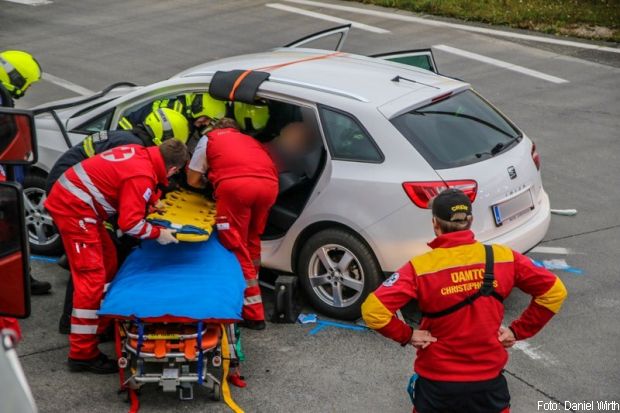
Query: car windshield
[456,131]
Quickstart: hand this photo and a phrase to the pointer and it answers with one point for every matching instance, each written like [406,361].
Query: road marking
[67,85]
[499,63]
[321,16]
[31,2]
[437,23]
[551,250]
[535,354]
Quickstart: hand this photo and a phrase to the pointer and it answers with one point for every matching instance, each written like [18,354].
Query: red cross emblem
[122,153]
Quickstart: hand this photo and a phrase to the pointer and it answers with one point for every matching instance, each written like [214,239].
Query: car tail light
[421,193]
[535,156]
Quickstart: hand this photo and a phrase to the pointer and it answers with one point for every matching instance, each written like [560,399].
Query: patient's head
[294,138]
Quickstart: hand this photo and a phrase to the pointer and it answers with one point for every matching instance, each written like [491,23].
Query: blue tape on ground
[341,325]
[323,324]
[44,258]
[316,329]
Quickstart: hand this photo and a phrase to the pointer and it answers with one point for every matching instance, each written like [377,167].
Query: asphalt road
[575,124]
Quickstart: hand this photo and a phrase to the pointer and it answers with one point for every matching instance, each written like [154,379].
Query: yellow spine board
[182,207]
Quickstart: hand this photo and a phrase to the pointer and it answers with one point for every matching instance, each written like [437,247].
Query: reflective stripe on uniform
[83,329]
[125,124]
[94,191]
[148,232]
[251,283]
[178,106]
[253,299]
[85,314]
[135,230]
[88,146]
[77,192]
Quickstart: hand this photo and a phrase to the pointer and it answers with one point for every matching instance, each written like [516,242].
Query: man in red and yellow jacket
[459,287]
[120,181]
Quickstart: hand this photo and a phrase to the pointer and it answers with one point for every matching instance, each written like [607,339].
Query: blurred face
[202,121]
[294,138]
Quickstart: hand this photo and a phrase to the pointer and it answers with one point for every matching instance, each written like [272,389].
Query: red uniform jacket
[467,347]
[121,180]
[232,154]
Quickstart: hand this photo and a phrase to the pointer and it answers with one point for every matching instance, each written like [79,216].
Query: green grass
[592,19]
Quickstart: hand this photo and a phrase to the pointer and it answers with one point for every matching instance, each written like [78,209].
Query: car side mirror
[14,256]
[17,137]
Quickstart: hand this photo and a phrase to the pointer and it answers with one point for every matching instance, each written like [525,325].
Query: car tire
[340,290]
[43,235]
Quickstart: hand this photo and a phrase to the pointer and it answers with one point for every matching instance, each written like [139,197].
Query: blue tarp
[198,280]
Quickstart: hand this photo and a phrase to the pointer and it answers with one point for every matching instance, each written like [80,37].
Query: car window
[101,122]
[456,131]
[347,139]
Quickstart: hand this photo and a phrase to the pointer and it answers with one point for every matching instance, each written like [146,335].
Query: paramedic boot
[99,365]
[253,324]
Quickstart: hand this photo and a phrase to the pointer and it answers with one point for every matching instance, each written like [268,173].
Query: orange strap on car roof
[245,74]
[305,59]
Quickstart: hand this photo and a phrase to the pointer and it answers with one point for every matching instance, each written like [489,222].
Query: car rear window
[456,131]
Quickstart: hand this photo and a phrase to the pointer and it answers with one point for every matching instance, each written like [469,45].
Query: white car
[388,137]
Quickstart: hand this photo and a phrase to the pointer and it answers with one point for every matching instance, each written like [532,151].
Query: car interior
[298,175]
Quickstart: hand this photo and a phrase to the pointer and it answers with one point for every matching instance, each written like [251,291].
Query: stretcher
[174,308]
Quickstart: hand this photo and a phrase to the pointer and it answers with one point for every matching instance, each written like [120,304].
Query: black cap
[452,205]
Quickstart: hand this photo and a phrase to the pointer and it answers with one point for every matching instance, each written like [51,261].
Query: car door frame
[408,53]
[343,30]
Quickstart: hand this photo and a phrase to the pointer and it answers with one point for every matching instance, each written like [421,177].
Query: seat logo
[512,172]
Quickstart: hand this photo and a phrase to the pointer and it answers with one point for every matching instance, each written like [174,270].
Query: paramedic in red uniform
[461,342]
[121,181]
[245,183]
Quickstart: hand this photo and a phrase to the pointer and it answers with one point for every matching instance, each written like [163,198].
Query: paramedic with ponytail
[460,286]
[245,182]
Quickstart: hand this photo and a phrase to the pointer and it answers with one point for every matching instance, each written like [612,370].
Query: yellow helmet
[202,104]
[164,123]
[251,117]
[18,70]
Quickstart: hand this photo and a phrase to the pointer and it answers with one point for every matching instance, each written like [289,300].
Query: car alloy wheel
[336,275]
[41,229]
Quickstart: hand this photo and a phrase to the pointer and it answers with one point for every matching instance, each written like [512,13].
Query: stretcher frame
[173,371]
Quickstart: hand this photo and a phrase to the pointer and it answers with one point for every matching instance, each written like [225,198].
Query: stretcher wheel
[217,392]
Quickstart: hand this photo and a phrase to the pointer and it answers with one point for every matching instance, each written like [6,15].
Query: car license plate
[512,207]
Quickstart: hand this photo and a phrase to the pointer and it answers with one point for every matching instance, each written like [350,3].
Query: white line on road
[67,85]
[551,250]
[499,63]
[327,17]
[31,2]
[535,354]
[437,23]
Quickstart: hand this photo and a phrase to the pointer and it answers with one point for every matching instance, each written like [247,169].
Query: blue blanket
[198,280]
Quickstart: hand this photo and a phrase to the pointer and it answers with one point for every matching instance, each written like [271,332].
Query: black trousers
[489,396]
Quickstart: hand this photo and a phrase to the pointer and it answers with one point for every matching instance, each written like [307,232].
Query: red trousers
[244,204]
[11,324]
[92,259]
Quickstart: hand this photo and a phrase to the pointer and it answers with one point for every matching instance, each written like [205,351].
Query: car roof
[362,78]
